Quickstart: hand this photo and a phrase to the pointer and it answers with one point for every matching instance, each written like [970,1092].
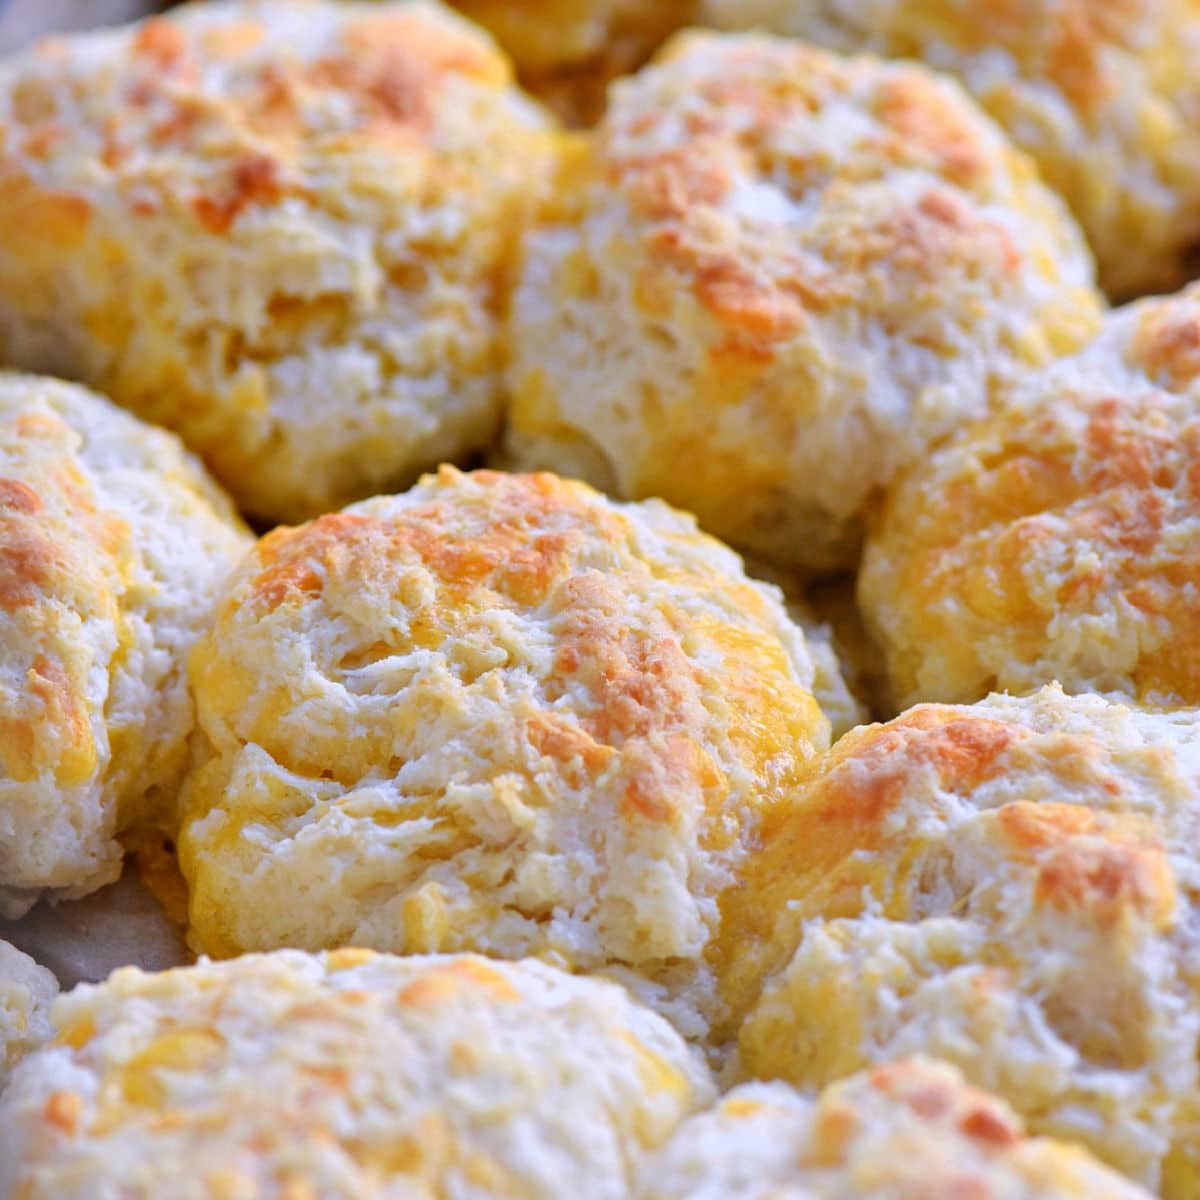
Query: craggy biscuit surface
[1010,886]
[1102,93]
[113,544]
[1060,539]
[776,276]
[277,228]
[497,713]
[909,1130]
[347,1075]
[26,993]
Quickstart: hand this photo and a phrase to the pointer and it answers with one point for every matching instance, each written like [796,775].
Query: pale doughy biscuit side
[113,545]
[344,1076]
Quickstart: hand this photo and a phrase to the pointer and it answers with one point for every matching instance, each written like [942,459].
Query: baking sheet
[22,21]
[82,941]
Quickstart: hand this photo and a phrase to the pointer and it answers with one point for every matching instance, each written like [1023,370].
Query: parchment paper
[21,21]
[82,941]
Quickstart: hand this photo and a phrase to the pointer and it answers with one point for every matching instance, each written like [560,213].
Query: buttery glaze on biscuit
[113,544]
[1060,538]
[496,713]
[346,1075]
[1009,886]
[773,278]
[279,229]
[1102,93]
[908,1130]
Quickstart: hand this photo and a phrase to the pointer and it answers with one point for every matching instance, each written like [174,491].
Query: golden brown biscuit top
[228,108]
[921,1126]
[911,1129]
[726,141]
[1069,40]
[345,1075]
[515,549]
[1165,341]
[1081,49]
[432,572]
[1103,96]
[1066,527]
[1078,805]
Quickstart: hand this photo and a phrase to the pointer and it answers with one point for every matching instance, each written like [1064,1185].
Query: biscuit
[346,1075]
[831,688]
[567,51]
[774,277]
[1060,538]
[908,1130]
[832,602]
[496,713]
[1008,886]
[835,641]
[1102,93]
[113,544]
[278,228]
[26,993]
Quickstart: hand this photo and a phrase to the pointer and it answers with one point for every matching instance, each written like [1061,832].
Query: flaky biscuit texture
[773,278]
[346,1075]
[1102,93]
[908,1130]
[1009,886]
[278,228]
[497,713]
[1060,538]
[113,543]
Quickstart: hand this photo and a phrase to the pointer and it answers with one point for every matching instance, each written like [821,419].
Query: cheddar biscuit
[1060,538]
[1102,93]
[773,278]
[344,1075]
[26,993]
[495,713]
[848,666]
[1008,886]
[280,229]
[908,1130]
[113,544]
